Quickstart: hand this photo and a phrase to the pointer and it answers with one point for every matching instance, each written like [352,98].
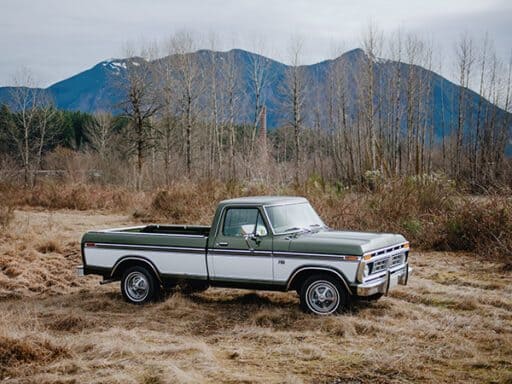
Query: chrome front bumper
[384,283]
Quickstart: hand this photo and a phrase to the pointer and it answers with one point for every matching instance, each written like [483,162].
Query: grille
[387,262]
[396,260]
[380,265]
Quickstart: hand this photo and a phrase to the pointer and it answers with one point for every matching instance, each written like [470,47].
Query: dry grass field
[452,324]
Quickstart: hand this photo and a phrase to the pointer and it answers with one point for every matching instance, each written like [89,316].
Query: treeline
[179,119]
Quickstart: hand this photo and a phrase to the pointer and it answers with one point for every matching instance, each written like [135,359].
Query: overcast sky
[56,39]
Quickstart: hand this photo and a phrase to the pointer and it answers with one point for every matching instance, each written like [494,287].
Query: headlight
[363,271]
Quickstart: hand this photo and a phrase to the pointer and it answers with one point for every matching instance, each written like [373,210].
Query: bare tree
[31,130]
[189,87]
[215,137]
[140,102]
[230,100]
[167,129]
[100,133]
[477,139]
[294,99]
[372,45]
[465,61]
[396,49]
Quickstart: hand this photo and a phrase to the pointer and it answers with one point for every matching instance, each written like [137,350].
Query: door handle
[222,244]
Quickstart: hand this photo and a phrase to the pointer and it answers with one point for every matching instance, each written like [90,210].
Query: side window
[261,228]
[241,221]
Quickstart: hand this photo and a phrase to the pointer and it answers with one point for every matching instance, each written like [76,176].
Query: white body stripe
[283,271]
[221,266]
[241,267]
[166,262]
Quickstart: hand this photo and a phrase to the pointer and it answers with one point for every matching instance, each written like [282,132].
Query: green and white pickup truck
[268,243]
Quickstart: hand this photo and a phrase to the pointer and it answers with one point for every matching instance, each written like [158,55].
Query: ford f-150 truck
[269,243]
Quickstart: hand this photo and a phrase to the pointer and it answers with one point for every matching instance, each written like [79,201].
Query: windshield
[293,217]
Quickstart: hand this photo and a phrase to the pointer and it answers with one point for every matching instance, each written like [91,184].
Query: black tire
[139,286]
[323,294]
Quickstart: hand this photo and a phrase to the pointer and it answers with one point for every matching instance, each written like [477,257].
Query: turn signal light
[406,245]
[352,258]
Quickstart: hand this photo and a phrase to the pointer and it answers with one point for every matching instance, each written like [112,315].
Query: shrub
[481,226]
[173,204]
[49,246]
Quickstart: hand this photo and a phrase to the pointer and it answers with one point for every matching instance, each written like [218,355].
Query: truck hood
[343,242]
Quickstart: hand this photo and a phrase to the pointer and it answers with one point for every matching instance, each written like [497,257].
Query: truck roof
[265,200]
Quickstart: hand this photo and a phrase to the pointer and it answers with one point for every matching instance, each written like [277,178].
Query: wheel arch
[131,261]
[300,274]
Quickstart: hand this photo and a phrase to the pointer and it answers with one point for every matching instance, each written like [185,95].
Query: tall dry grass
[429,211]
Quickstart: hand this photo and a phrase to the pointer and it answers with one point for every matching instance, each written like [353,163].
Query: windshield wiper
[297,229]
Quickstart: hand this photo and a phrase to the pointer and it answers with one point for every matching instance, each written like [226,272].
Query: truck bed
[178,250]
[155,234]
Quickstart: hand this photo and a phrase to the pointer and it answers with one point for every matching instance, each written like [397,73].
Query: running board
[106,281]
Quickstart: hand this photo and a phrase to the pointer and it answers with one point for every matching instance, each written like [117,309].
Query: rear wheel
[139,286]
[323,294]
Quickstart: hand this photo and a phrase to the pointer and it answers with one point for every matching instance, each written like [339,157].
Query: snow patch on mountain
[114,65]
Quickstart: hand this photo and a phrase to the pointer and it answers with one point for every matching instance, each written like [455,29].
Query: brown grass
[29,350]
[452,324]
[6,216]
[428,211]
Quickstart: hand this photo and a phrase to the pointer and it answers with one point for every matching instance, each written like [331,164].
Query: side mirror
[261,231]
[250,236]
[253,237]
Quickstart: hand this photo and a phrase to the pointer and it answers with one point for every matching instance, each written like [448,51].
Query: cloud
[58,38]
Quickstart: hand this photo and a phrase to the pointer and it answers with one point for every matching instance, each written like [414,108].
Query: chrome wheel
[136,286]
[322,297]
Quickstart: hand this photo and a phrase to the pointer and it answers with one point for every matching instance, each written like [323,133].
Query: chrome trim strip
[389,253]
[243,280]
[156,234]
[137,258]
[306,254]
[238,252]
[153,248]
[125,231]
[319,268]
[225,250]
[178,276]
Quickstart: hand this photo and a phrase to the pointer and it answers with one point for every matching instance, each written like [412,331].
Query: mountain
[97,89]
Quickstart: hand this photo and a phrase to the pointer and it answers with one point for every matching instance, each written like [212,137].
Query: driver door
[236,257]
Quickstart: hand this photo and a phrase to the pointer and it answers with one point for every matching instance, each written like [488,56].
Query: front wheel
[139,286]
[323,295]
